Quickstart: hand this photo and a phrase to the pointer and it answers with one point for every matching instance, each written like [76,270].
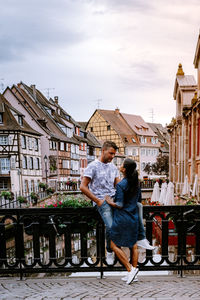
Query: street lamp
[45,161]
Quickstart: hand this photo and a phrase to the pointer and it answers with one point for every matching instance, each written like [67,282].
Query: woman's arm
[110,201]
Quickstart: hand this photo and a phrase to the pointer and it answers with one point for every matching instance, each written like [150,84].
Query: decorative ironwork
[175,228]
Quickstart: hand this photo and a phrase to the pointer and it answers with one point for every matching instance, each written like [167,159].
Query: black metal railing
[147,184]
[14,202]
[43,240]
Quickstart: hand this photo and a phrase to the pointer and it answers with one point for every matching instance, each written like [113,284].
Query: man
[100,179]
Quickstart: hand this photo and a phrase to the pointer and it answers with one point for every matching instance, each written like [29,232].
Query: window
[30,146]
[142,139]
[77,149]
[135,152]
[25,186]
[3,140]
[36,145]
[69,132]
[4,165]
[65,164]
[32,185]
[108,127]
[24,162]
[133,140]
[62,146]
[72,148]
[52,145]
[20,120]
[13,162]
[23,141]
[143,151]
[37,163]
[31,163]
[91,129]
[3,184]
[1,118]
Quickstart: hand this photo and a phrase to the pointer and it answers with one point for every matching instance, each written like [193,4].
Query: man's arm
[84,188]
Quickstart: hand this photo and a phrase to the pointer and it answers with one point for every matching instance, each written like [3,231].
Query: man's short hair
[109,144]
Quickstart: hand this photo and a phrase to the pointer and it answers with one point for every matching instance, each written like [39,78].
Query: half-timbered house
[131,133]
[20,151]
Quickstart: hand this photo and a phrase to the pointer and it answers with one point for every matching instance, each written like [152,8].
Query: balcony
[43,240]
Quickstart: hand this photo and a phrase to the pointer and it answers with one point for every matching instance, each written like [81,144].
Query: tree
[160,167]
[148,168]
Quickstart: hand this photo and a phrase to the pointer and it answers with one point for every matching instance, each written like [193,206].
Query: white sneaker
[131,275]
[145,244]
[110,258]
[126,277]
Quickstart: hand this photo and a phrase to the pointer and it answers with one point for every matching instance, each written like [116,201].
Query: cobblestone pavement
[110,288]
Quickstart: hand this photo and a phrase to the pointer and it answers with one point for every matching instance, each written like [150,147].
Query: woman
[124,229]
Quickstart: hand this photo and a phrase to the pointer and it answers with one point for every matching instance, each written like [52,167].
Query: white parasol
[156,193]
[169,199]
[163,192]
[195,186]
[186,186]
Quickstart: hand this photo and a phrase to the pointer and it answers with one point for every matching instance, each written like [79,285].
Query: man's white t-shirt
[102,178]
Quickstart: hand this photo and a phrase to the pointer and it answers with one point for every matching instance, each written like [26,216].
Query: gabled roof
[9,121]
[138,125]
[93,141]
[55,117]
[115,119]
[83,124]
[162,134]
[39,114]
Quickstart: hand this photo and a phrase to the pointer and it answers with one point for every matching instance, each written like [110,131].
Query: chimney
[56,99]
[117,111]
[34,91]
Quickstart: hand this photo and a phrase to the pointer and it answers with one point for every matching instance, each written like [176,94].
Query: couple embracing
[118,203]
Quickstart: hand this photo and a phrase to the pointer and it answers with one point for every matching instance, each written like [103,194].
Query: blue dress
[124,230]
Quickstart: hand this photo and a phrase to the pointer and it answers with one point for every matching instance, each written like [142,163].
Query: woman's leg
[121,255]
[141,231]
[134,258]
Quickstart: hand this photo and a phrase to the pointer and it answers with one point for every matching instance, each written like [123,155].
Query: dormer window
[1,118]
[133,140]
[20,120]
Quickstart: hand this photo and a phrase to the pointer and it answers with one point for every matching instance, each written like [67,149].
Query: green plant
[6,195]
[21,199]
[43,185]
[50,190]
[34,196]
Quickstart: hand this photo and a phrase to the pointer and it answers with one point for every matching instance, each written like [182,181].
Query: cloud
[37,26]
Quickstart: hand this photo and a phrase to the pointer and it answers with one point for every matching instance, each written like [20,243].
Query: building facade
[20,152]
[131,133]
[184,129]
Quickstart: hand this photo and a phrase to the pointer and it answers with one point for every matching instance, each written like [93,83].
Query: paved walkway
[92,288]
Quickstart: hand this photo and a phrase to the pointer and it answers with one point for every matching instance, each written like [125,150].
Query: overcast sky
[123,52]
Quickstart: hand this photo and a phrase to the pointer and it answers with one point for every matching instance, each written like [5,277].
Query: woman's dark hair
[131,175]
